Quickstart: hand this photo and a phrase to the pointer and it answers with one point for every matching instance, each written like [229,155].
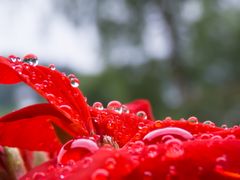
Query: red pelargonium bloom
[116,142]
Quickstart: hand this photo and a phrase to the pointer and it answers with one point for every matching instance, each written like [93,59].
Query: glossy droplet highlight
[76,150]
[156,136]
[39,176]
[210,123]
[193,120]
[174,148]
[141,114]
[152,151]
[100,174]
[115,106]
[73,80]
[97,105]
[125,109]
[110,163]
[14,58]
[52,67]
[31,59]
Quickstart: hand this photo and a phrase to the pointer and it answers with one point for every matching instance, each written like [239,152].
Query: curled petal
[52,85]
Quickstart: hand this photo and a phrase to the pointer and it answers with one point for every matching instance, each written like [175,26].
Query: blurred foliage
[200,75]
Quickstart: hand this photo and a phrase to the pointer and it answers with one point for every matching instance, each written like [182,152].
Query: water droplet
[138,147]
[230,137]
[157,135]
[142,115]
[216,137]
[193,120]
[73,80]
[152,151]
[210,123]
[31,59]
[18,68]
[224,126]
[125,109]
[115,106]
[147,175]
[87,161]
[39,176]
[174,148]
[110,163]
[52,67]
[158,124]
[100,174]
[141,125]
[67,109]
[76,149]
[14,58]
[221,160]
[97,105]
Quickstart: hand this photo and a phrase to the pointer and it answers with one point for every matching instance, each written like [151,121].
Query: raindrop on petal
[193,120]
[31,59]
[115,106]
[174,148]
[100,174]
[157,135]
[142,115]
[125,109]
[76,150]
[52,67]
[97,105]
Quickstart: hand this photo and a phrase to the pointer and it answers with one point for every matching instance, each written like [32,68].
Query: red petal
[122,127]
[55,87]
[7,75]
[30,128]
[141,105]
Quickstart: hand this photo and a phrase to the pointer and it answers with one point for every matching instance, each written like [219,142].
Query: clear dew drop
[14,58]
[115,106]
[98,106]
[73,80]
[31,59]
[156,136]
[100,174]
[76,150]
[110,163]
[224,126]
[39,176]
[174,148]
[142,115]
[125,109]
[52,67]
[210,123]
[193,120]
[152,151]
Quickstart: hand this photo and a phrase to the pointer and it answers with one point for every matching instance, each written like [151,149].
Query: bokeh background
[182,55]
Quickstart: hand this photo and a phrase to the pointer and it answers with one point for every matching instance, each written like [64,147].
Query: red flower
[140,148]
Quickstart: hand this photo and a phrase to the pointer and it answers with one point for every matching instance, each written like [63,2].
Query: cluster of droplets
[119,108]
[30,59]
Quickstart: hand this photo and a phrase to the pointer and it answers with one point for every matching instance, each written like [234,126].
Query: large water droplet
[97,105]
[210,123]
[31,59]
[142,115]
[100,174]
[115,106]
[76,149]
[73,80]
[174,148]
[156,136]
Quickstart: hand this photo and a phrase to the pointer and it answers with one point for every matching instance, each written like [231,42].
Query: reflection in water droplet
[52,67]
[125,109]
[76,149]
[174,148]
[115,106]
[14,58]
[152,151]
[73,80]
[110,163]
[142,114]
[97,105]
[193,120]
[31,59]
[100,174]
[39,176]
[210,123]
[158,134]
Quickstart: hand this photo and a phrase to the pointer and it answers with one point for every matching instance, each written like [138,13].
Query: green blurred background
[182,55]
